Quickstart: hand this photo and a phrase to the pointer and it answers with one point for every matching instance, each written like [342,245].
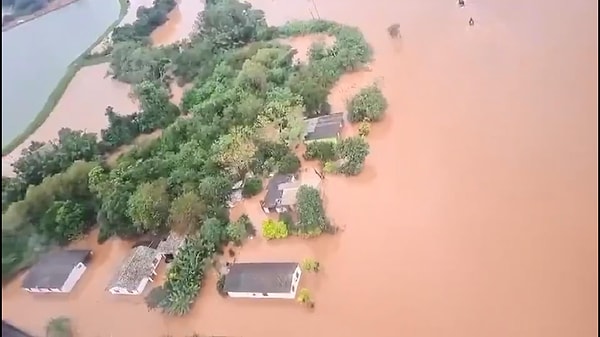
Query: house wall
[142,285]
[331,140]
[259,295]
[69,284]
[288,295]
[74,277]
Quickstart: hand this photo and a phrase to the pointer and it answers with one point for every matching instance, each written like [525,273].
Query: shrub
[221,286]
[305,298]
[330,167]
[59,327]
[289,164]
[311,265]
[352,152]
[368,104]
[252,187]
[287,219]
[248,226]
[272,229]
[236,232]
[311,214]
[323,151]
[364,129]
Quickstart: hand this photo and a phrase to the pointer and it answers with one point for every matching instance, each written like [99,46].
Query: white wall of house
[291,294]
[74,277]
[143,283]
[69,284]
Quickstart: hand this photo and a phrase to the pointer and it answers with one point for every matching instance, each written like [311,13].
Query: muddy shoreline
[53,6]
[56,95]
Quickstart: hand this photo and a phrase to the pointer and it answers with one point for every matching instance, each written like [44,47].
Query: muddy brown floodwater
[476,214]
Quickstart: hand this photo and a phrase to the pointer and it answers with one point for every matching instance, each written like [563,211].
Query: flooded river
[35,57]
[477,211]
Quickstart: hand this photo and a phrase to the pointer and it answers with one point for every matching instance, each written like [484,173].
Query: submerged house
[57,272]
[9,330]
[263,280]
[139,268]
[324,128]
[281,193]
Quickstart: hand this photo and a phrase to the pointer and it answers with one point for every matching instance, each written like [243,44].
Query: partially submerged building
[9,330]
[139,268]
[324,128]
[281,192]
[57,272]
[263,280]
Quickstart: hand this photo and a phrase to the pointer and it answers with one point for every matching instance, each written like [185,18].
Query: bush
[364,128]
[59,327]
[248,226]
[311,265]
[289,164]
[323,151]
[287,219]
[311,214]
[252,187]
[352,153]
[368,104]
[236,232]
[221,286]
[272,229]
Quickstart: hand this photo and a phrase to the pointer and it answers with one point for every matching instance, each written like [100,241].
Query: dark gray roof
[9,330]
[267,277]
[52,270]
[322,127]
[273,191]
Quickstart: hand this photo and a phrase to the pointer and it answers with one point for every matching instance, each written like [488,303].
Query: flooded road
[476,214]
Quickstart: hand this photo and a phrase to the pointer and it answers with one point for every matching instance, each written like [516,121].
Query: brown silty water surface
[476,213]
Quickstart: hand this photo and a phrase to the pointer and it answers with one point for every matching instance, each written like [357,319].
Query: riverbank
[81,61]
[52,6]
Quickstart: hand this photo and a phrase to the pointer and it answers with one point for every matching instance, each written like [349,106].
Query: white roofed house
[139,268]
[57,272]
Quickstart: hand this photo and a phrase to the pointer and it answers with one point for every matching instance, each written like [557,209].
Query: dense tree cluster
[368,105]
[346,157]
[246,111]
[148,19]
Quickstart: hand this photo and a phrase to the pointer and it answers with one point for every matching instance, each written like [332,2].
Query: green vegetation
[346,157]
[252,187]
[305,298]
[311,265]
[246,108]
[272,229]
[368,105]
[59,327]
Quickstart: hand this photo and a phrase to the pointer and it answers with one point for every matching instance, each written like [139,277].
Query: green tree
[309,207]
[252,187]
[59,327]
[157,110]
[64,221]
[186,212]
[369,104]
[235,150]
[236,231]
[289,164]
[323,151]
[311,265]
[213,231]
[149,206]
[215,190]
[352,153]
[272,229]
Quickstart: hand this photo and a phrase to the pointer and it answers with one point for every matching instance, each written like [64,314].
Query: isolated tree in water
[394,30]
